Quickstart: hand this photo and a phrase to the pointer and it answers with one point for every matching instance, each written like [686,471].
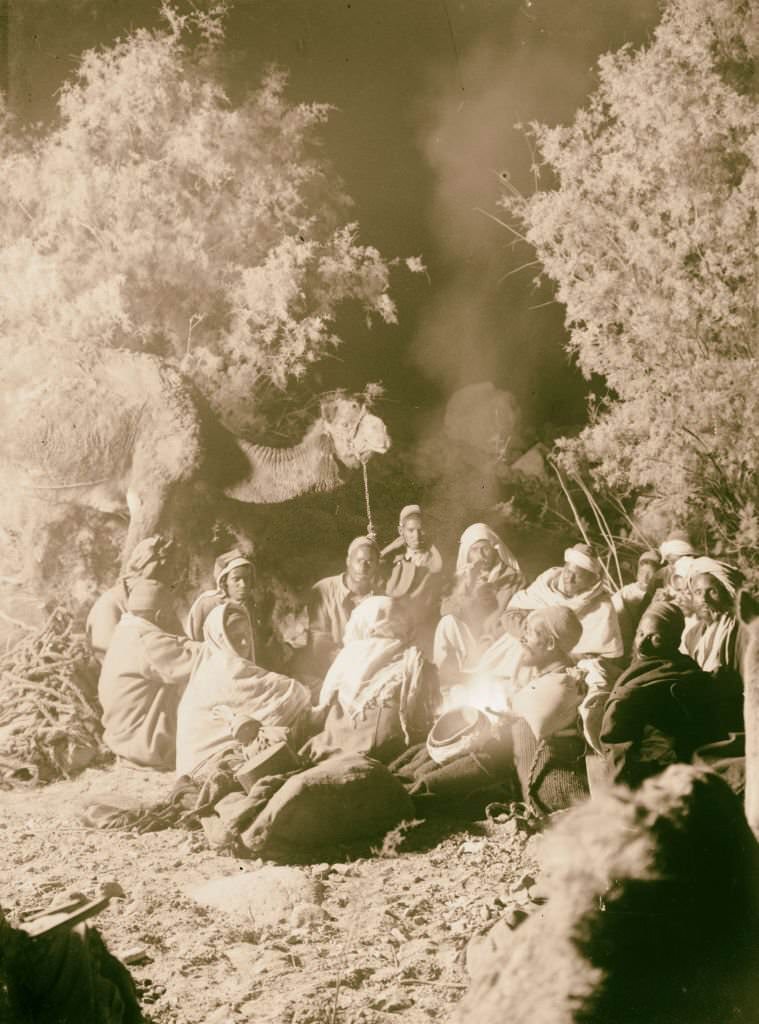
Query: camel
[121,433]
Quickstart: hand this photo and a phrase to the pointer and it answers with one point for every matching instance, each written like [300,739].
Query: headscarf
[374,637]
[669,616]
[561,623]
[583,556]
[224,564]
[222,676]
[682,567]
[150,554]
[215,626]
[375,618]
[406,511]
[730,577]
[650,556]
[146,596]
[677,544]
[359,542]
[477,532]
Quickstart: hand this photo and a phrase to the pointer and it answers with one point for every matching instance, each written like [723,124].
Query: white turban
[682,566]
[406,511]
[727,575]
[477,532]
[582,556]
[676,547]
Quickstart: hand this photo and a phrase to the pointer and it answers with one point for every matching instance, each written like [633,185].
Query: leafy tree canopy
[650,235]
[157,215]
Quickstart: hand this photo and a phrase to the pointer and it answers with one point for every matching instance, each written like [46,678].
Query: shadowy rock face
[652,915]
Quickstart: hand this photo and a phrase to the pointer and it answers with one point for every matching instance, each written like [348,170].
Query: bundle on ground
[49,713]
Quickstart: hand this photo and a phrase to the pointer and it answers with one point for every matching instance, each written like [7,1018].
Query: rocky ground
[215,940]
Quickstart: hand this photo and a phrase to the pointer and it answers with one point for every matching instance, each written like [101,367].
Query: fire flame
[487,693]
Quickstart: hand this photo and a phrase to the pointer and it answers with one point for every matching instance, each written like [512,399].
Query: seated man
[331,603]
[548,745]
[537,731]
[150,560]
[143,675]
[487,577]
[225,681]
[234,575]
[379,694]
[662,707]
[415,576]
[711,636]
[579,586]
[631,600]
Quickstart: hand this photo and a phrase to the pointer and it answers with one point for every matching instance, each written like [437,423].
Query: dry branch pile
[50,717]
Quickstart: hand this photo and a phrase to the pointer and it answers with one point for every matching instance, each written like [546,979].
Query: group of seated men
[551,671]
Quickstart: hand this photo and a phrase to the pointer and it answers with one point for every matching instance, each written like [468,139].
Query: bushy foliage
[650,233]
[155,214]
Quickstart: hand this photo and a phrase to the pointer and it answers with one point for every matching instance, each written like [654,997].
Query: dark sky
[428,92]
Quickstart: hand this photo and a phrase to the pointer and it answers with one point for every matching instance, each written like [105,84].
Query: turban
[682,567]
[475,533]
[406,511]
[230,560]
[147,556]
[376,617]
[561,623]
[668,616]
[676,545]
[146,596]
[360,542]
[582,555]
[650,556]
[725,574]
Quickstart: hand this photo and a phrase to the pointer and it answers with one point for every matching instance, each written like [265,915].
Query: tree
[155,214]
[649,232]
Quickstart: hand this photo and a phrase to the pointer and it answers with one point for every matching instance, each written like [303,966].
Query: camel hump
[99,418]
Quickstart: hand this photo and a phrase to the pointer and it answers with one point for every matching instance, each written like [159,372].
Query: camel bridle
[370,531]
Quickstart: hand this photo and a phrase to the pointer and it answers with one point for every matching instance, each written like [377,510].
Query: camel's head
[356,433]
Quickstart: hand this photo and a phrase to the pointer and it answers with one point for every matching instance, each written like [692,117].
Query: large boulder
[652,915]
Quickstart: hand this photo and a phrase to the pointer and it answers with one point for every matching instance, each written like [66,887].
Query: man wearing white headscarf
[578,585]
[225,677]
[676,545]
[378,692]
[711,634]
[487,577]
[415,576]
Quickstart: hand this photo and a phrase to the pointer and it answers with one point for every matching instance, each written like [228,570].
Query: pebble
[515,917]
[525,882]
[134,955]
[473,846]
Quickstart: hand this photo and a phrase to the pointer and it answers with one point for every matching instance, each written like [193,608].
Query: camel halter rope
[370,531]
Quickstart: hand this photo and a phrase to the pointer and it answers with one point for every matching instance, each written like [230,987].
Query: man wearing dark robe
[662,707]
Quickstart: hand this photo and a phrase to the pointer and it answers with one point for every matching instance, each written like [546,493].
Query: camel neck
[278,474]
